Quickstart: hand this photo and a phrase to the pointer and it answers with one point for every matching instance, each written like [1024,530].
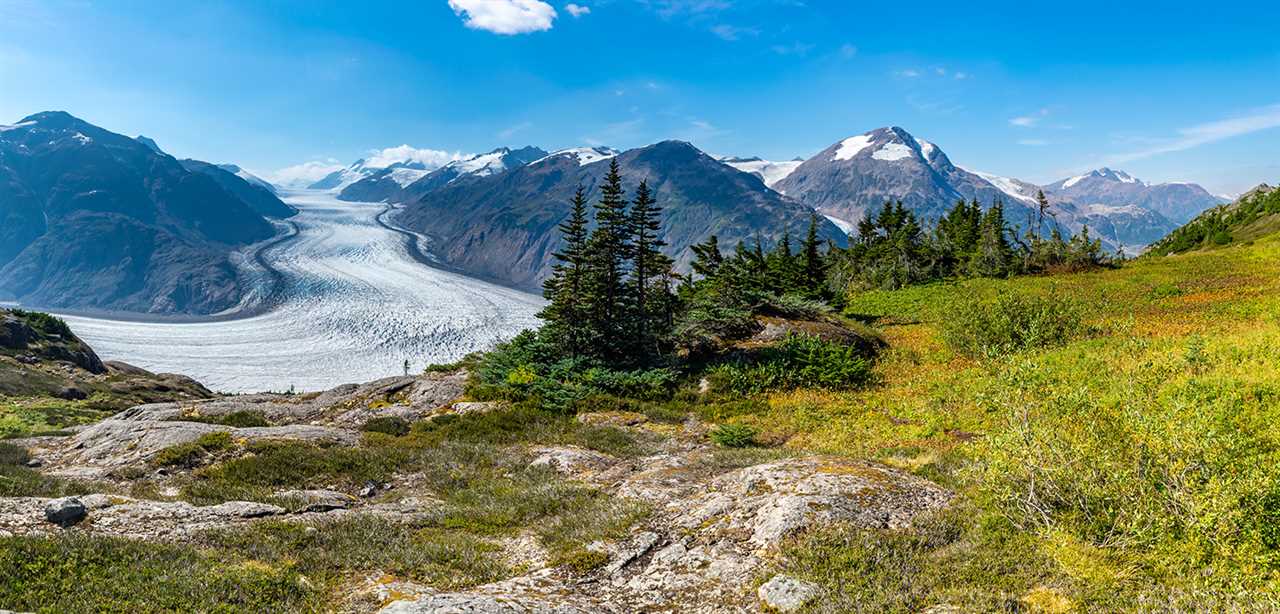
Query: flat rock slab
[772,501]
[125,517]
[113,443]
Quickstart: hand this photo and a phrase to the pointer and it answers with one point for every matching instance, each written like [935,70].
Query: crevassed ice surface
[347,303]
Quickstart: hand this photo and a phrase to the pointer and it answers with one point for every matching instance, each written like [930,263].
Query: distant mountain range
[399,183]
[860,173]
[91,219]
[94,219]
[503,225]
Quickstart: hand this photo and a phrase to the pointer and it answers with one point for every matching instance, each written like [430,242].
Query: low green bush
[798,361]
[734,436]
[1011,323]
[193,453]
[389,425]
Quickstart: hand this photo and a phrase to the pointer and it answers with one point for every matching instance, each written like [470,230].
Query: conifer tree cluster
[611,292]
[892,249]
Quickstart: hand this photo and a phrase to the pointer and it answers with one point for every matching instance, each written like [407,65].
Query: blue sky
[1166,91]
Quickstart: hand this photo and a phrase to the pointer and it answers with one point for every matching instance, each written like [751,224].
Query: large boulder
[65,512]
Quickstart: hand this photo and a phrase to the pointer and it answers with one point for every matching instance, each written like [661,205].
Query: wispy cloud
[1033,142]
[514,130]
[732,33]
[577,10]
[1257,120]
[616,133]
[797,48]
[1028,121]
[672,8]
[505,16]
[908,73]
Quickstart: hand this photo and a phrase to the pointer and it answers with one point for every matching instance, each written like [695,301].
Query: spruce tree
[608,252]
[815,266]
[565,290]
[707,257]
[648,265]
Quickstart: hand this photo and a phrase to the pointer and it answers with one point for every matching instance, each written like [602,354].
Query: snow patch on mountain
[17,126]
[851,146]
[584,155]
[1006,185]
[845,226]
[926,148]
[406,176]
[891,152]
[482,165]
[1074,180]
[768,171]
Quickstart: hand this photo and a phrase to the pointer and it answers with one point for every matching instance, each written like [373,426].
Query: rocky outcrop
[786,594]
[708,538]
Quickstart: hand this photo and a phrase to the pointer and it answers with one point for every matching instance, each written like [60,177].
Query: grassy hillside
[1255,214]
[1129,466]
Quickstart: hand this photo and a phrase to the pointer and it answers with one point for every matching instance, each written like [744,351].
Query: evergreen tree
[565,289]
[993,254]
[707,257]
[608,251]
[650,268]
[815,266]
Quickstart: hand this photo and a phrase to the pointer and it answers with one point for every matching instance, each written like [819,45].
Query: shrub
[1009,324]
[797,361]
[734,436]
[796,307]
[193,453]
[13,455]
[390,425]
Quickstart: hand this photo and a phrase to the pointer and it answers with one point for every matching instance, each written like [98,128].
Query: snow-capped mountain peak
[584,155]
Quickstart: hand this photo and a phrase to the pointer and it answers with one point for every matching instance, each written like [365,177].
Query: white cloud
[1027,121]
[732,33]
[305,174]
[909,73]
[430,158]
[513,130]
[1254,121]
[505,16]
[577,10]
[796,48]
[1033,142]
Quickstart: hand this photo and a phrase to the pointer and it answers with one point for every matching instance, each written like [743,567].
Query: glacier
[341,298]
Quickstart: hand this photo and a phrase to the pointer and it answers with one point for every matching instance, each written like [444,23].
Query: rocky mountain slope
[400,183]
[1179,202]
[860,173]
[503,226]
[258,195]
[40,356]
[1254,215]
[94,219]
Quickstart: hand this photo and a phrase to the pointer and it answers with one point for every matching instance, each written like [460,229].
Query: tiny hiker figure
[406,367]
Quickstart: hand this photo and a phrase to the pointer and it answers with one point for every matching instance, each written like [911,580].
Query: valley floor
[344,299]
